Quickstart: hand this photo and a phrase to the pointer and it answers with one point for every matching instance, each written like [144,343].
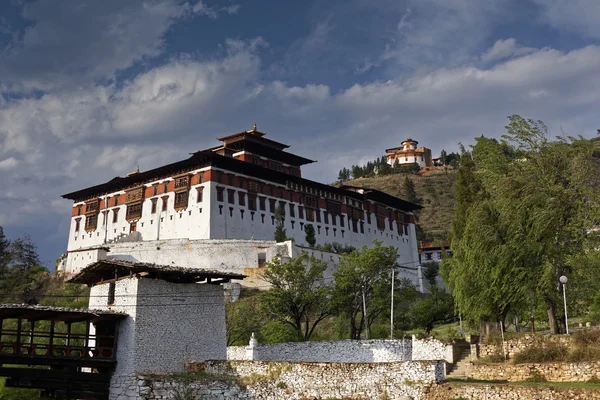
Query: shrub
[548,352]
[493,358]
[587,337]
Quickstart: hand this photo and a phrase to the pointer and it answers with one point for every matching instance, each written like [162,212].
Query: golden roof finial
[137,169]
[254,129]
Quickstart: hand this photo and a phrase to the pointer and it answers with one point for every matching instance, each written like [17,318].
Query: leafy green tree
[431,270]
[527,209]
[297,296]
[242,318]
[436,307]
[280,232]
[364,272]
[335,247]
[309,230]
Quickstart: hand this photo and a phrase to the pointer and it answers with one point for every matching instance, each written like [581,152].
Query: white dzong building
[216,210]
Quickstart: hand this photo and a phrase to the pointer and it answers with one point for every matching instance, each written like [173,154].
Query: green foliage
[526,209]
[378,167]
[335,247]
[410,194]
[344,175]
[431,270]
[595,308]
[280,232]
[242,318]
[8,393]
[436,307]
[22,278]
[585,346]
[548,352]
[277,332]
[310,235]
[297,297]
[364,272]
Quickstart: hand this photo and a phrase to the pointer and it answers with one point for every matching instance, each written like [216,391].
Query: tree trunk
[552,321]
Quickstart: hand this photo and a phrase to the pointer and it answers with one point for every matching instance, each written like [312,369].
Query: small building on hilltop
[408,153]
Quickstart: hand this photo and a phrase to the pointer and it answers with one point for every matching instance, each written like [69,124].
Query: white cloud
[213,12]
[8,163]
[503,49]
[67,46]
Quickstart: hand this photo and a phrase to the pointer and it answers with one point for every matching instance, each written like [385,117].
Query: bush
[587,338]
[549,352]
[493,358]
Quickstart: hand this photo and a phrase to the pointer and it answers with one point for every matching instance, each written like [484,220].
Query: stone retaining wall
[516,345]
[340,351]
[283,381]
[552,372]
[508,392]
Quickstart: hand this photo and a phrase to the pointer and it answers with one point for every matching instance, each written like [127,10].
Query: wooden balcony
[63,358]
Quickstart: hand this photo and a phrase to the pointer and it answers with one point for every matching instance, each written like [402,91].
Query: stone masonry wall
[553,372]
[432,349]
[514,346]
[506,392]
[283,381]
[340,351]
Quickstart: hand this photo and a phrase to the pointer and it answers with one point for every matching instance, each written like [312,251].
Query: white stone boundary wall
[341,351]
[229,380]
[432,349]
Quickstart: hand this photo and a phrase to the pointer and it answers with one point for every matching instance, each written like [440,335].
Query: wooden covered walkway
[53,349]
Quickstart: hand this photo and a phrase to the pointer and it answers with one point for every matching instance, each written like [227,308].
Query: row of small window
[309,214]
[312,214]
[311,190]
[135,210]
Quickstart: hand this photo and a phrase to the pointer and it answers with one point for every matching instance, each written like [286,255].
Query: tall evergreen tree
[280,233]
[410,193]
[310,235]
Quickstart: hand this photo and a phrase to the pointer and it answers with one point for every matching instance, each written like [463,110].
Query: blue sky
[90,89]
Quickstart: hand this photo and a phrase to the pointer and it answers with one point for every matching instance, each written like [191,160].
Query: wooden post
[50,351]
[18,347]
[68,334]
[31,349]
[87,339]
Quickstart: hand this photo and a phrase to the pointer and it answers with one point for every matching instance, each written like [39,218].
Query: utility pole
[365,312]
[392,307]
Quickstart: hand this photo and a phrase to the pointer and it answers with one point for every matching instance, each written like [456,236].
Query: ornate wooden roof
[39,312]
[107,270]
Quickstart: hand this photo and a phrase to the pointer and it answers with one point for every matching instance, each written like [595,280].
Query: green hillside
[435,190]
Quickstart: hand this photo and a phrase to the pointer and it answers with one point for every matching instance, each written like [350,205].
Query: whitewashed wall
[169,326]
[240,256]
[346,351]
[340,351]
[432,349]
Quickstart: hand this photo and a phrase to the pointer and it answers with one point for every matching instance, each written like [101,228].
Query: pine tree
[310,235]
[280,233]
[410,194]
